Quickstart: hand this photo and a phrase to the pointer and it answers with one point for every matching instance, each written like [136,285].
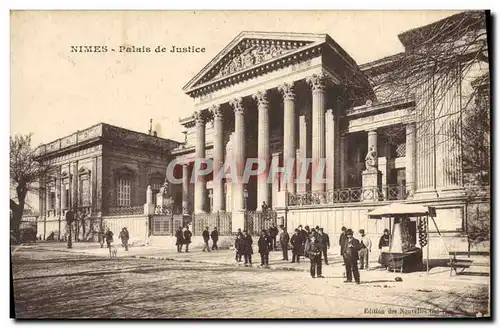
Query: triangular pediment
[251,49]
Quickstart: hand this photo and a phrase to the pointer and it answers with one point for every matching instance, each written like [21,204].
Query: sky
[55,92]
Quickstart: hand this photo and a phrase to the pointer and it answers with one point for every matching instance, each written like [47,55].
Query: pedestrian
[342,240]
[296,245]
[351,255]
[265,245]
[273,232]
[108,236]
[384,244]
[303,235]
[100,237]
[124,236]
[215,237]
[187,238]
[364,252]
[324,241]
[246,247]
[314,250]
[206,238]
[264,207]
[284,239]
[237,246]
[179,239]
[306,241]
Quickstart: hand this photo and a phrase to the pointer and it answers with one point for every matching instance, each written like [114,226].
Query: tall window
[124,191]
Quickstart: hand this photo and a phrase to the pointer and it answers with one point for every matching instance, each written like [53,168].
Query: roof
[443,28]
[400,209]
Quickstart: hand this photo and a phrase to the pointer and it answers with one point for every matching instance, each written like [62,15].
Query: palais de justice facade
[283,96]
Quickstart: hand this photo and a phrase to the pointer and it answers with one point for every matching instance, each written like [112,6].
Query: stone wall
[137,226]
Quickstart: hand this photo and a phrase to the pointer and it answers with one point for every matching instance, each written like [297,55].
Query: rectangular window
[123,192]
[53,200]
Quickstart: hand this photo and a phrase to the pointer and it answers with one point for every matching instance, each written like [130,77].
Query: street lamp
[245,195]
[69,221]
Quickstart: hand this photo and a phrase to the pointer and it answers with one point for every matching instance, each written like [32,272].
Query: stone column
[289,151]
[317,83]
[185,188]
[200,182]
[74,186]
[93,174]
[239,153]
[58,192]
[276,180]
[343,161]
[63,197]
[302,186]
[410,158]
[330,148]
[218,159]
[263,194]
[47,197]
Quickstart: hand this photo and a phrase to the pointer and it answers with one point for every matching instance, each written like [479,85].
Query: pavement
[53,282]
[438,274]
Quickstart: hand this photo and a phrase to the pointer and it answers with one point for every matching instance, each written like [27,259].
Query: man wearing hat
[366,248]
[351,255]
[314,252]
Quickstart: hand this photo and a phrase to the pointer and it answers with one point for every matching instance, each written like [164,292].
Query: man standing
[187,238]
[273,231]
[264,207]
[246,247]
[179,239]
[264,244]
[296,246]
[109,237]
[215,237]
[351,256]
[366,248]
[237,246]
[324,241]
[342,240]
[206,238]
[303,235]
[284,239]
[314,252]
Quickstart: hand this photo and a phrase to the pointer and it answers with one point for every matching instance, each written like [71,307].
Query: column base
[452,191]
[371,181]
[421,194]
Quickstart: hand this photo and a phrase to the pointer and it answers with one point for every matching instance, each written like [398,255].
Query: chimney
[150,126]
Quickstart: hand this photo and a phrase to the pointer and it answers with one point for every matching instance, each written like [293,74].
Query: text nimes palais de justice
[136,49]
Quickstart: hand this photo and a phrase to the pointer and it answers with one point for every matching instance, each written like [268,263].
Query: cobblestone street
[50,284]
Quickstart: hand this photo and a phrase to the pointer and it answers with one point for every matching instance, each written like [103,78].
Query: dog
[112,251]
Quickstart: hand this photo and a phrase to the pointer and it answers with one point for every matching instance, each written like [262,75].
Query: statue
[370,159]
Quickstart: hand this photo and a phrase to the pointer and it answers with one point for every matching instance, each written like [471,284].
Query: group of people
[214,235]
[266,244]
[183,237]
[107,237]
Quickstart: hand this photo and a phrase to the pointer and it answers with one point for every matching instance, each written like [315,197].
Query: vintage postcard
[250,164]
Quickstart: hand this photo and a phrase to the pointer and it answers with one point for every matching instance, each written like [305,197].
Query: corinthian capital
[237,105]
[261,98]
[287,90]
[198,118]
[317,82]
[216,111]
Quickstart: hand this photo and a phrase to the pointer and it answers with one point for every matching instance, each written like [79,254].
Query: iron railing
[349,195]
[256,221]
[221,220]
[125,210]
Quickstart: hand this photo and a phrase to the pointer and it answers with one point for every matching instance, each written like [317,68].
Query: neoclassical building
[99,171]
[282,96]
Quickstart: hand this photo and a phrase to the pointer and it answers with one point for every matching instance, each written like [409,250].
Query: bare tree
[25,173]
[439,70]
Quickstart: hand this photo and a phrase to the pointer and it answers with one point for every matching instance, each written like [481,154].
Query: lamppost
[69,220]
[245,195]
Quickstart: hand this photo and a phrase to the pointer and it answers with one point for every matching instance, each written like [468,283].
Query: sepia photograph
[250,164]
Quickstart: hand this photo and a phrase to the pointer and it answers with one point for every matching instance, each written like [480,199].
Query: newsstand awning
[397,209]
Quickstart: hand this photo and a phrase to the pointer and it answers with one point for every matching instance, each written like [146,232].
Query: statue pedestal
[371,182]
